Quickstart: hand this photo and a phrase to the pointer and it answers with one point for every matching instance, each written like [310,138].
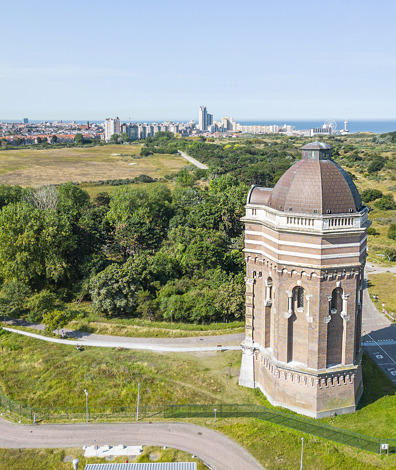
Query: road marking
[382,349]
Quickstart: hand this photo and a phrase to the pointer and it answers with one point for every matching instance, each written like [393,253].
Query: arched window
[297,341]
[336,300]
[298,297]
[267,313]
[335,329]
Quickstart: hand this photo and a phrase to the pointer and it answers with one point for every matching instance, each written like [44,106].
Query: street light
[86,401]
[302,453]
[137,407]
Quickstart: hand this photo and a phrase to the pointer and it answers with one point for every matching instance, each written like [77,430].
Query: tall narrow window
[300,297]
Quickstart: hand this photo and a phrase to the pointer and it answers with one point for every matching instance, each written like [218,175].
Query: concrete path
[191,344]
[215,449]
[379,337]
[373,269]
[193,161]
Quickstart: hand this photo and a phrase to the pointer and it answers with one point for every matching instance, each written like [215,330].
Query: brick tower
[305,250]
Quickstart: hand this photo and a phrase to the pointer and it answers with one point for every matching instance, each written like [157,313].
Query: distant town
[113,130]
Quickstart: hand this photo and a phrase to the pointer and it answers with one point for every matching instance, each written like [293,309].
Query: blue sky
[155,60]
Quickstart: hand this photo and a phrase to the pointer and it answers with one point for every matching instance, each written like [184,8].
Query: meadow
[30,167]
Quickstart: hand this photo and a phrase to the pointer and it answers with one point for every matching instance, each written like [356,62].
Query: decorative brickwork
[304,278]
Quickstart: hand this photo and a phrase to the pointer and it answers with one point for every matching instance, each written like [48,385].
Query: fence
[291,421]
[309,426]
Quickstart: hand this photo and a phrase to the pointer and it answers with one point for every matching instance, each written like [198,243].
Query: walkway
[215,449]
[191,344]
[193,161]
[379,337]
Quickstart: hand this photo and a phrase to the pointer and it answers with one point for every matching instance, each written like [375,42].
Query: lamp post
[215,411]
[86,402]
[302,453]
[137,407]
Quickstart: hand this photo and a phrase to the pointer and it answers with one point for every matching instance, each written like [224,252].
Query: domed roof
[314,185]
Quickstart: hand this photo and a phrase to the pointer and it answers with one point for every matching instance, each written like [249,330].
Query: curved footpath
[215,449]
[189,344]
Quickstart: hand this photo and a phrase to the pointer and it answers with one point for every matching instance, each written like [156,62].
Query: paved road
[379,337]
[193,161]
[371,268]
[215,449]
[191,344]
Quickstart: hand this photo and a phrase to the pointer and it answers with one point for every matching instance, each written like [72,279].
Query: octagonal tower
[305,250]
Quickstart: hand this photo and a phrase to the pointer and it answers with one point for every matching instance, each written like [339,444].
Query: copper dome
[314,185]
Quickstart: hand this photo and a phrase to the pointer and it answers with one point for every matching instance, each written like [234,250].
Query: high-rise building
[112,126]
[305,249]
[25,121]
[203,118]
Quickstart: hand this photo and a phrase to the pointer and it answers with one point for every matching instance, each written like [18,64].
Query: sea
[375,126]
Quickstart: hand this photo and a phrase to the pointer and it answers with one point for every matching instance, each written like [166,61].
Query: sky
[160,60]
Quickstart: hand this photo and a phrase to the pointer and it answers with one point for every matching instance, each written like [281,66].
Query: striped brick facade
[304,281]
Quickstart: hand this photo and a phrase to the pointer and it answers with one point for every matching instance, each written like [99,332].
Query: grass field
[61,459]
[42,374]
[51,375]
[383,285]
[30,167]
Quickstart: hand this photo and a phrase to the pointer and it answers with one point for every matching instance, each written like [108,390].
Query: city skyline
[261,62]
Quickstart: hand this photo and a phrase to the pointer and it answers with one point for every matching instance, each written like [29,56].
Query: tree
[114,291]
[125,137]
[56,320]
[13,297]
[45,197]
[54,139]
[10,194]
[184,178]
[79,139]
[38,140]
[22,254]
[39,305]
[139,217]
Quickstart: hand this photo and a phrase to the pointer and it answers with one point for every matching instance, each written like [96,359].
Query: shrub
[392,232]
[369,195]
[386,203]
[40,304]
[372,231]
[376,165]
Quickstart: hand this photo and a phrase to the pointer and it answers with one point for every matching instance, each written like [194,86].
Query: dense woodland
[158,251]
